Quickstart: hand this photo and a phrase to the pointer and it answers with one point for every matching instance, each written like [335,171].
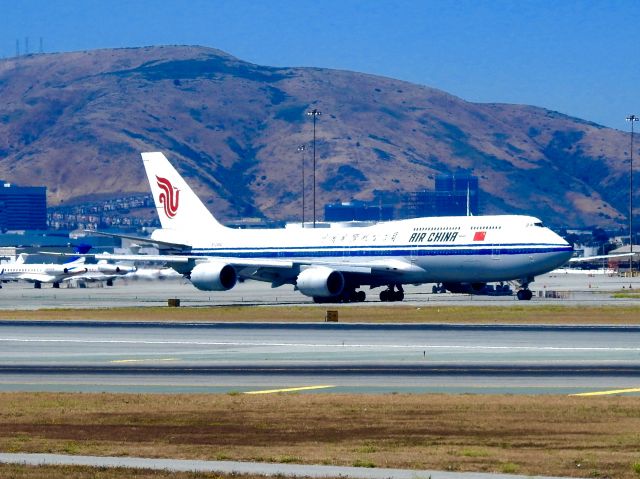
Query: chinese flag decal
[479,235]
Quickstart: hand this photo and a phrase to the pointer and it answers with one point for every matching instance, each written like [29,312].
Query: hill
[76,122]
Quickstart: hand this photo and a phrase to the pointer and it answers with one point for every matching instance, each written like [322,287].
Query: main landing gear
[389,294]
[347,296]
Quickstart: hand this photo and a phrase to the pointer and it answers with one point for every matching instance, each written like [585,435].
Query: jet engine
[320,281]
[107,268]
[213,276]
[467,288]
[74,270]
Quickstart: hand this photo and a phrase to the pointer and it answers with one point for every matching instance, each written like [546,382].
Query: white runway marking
[288,390]
[607,393]
[319,345]
[142,360]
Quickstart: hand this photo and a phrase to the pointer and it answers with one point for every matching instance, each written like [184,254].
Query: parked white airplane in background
[328,264]
[38,273]
[102,271]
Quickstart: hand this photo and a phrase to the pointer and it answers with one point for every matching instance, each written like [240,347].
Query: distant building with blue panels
[357,211]
[22,207]
[453,196]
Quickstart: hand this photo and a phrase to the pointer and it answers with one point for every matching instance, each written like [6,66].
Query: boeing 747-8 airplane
[332,264]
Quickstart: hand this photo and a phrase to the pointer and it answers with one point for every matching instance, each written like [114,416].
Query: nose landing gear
[524,294]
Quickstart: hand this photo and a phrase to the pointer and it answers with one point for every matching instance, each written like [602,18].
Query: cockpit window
[539,224]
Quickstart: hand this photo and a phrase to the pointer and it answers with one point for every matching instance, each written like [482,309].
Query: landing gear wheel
[390,294]
[360,296]
[525,295]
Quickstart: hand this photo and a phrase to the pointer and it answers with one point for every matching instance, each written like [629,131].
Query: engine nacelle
[72,270]
[320,281]
[213,276]
[467,288]
[107,268]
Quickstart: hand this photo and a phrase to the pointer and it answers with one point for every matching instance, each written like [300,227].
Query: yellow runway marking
[287,390]
[141,360]
[604,393]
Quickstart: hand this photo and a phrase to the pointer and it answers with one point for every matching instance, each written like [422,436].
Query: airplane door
[348,252]
[414,253]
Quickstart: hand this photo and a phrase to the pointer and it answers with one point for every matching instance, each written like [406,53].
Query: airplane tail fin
[179,208]
[75,260]
[82,248]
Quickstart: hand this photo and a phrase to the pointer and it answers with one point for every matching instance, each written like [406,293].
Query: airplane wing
[144,241]
[36,277]
[363,267]
[180,258]
[92,276]
[384,271]
[603,256]
[277,272]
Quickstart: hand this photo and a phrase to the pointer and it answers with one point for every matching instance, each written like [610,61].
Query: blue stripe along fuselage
[385,251]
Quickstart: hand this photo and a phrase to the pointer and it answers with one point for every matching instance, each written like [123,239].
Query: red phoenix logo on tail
[169,197]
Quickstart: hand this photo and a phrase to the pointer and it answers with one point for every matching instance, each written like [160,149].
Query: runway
[304,357]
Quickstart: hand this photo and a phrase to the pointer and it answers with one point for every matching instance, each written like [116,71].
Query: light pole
[302,148]
[632,119]
[314,113]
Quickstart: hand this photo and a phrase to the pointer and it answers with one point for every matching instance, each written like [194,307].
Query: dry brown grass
[535,314]
[546,435]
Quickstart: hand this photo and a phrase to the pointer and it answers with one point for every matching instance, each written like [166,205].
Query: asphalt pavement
[254,357]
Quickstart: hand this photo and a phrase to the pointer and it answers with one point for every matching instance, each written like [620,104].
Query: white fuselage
[38,273]
[438,249]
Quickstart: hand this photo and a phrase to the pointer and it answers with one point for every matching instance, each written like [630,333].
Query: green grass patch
[474,453]
[533,313]
[509,468]
[362,463]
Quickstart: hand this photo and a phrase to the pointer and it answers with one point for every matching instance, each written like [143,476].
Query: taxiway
[270,357]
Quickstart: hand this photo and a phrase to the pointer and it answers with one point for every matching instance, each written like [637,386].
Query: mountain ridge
[76,122]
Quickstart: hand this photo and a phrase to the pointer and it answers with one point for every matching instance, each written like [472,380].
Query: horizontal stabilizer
[604,256]
[142,241]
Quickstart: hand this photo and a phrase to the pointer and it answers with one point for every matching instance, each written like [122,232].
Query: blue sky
[581,58]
